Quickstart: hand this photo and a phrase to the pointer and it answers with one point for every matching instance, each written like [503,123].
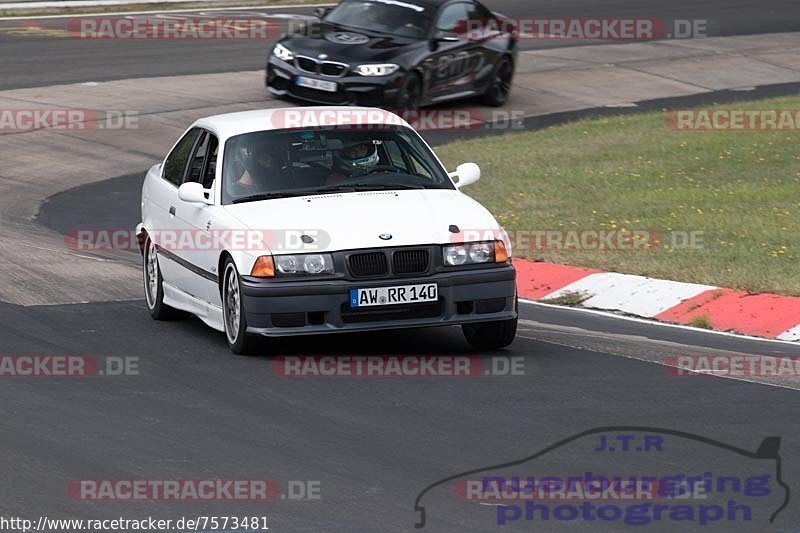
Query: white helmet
[360,155]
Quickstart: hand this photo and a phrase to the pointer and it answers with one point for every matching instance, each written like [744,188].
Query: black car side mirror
[441,36]
[321,12]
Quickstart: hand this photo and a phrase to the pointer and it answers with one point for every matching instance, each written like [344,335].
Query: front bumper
[282,308]
[379,91]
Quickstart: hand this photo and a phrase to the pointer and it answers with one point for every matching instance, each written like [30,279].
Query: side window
[479,12]
[210,171]
[450,17]
[198,159]
[175,166]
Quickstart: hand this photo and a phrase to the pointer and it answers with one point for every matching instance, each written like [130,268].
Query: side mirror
[467,174]
[193,192]
[445,36]
[321,12]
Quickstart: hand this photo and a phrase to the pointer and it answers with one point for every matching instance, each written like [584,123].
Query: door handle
[172,210]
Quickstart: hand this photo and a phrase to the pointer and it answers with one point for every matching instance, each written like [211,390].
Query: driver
[355,158]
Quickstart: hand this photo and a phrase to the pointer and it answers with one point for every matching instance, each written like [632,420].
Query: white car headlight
[310,264]
[474,253]
[282,53]
[377,70]
[455,255]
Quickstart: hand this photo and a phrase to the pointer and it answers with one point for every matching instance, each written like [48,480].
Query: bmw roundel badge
[385,236]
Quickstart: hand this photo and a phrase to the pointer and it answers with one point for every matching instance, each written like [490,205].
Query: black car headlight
[282,53]
[377,70]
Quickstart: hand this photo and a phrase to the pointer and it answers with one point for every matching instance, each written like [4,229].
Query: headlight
[282,53]
[474,253]
[307,264]
[377,70]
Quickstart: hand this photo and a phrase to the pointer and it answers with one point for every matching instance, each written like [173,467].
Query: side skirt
[210,314]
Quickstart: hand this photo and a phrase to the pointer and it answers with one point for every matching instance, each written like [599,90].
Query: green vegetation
[741,189]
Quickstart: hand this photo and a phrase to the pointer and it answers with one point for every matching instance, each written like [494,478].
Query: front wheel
[498,92]
[491,335]
[233,311]
[410,94]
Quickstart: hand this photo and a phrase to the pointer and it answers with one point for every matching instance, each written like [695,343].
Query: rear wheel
[153,284]
[498,92]
[233,311]
[491,335]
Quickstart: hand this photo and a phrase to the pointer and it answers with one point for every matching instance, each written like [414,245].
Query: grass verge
[739,189]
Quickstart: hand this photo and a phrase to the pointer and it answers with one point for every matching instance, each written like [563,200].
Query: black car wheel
[492,335]
[410,94]
[498,92]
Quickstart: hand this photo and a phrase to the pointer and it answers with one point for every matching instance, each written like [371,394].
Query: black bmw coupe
[396,54]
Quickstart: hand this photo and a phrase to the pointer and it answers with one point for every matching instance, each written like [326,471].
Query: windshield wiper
[370,186]
[267,196]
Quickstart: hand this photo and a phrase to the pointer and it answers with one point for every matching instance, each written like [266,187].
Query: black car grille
[326,68]
[410,261]
[332,69]
[395,312]
[368,264]
[307,64]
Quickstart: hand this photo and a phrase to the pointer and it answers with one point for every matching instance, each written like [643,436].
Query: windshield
[386,16]
[271,164]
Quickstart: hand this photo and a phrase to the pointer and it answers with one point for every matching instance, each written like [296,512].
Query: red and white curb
[761,315]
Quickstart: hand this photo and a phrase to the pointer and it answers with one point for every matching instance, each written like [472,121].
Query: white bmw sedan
[321,220]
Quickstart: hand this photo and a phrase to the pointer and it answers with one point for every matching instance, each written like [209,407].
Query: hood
[348,46]
[349,221]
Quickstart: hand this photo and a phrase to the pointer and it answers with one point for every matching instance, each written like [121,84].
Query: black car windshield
[394,17]
[281,163]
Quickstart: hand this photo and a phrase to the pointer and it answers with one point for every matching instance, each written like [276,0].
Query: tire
[491,335]
[499,90]
[233,313]
[410,94]
[153,285]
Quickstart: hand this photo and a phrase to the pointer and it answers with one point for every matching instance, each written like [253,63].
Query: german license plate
[312,83]
[405,294]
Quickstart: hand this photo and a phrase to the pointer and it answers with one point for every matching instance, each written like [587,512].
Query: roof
[231,124]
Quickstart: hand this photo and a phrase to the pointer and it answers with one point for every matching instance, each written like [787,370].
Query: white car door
[199,251]
[161,199]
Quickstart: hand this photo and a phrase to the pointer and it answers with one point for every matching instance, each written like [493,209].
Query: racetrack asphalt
[37,53]
[196,411]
